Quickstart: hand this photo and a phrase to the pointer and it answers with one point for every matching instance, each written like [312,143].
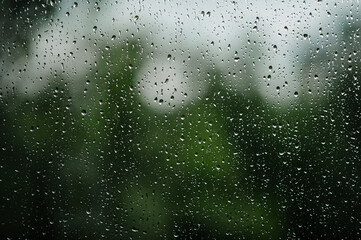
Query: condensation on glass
[180,119]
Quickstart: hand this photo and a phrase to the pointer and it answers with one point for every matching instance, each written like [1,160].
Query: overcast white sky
[220,28]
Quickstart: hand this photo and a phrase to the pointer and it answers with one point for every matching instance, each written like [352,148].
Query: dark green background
[228,166]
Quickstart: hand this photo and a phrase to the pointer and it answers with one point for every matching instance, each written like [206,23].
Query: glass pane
[180,119]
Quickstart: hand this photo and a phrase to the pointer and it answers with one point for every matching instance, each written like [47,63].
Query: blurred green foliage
[229,166]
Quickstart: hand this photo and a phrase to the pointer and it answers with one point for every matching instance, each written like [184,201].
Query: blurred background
[180,119]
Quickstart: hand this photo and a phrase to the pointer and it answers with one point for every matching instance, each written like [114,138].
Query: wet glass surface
[180,119]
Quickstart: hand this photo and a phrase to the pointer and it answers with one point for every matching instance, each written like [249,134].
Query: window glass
[180,119]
